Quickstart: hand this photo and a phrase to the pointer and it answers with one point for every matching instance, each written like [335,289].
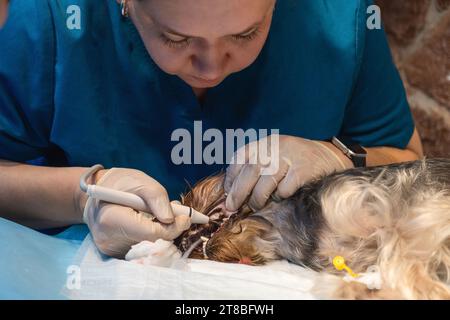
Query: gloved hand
[299,160]
[116,228]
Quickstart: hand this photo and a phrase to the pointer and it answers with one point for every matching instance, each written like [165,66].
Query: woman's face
[202,41]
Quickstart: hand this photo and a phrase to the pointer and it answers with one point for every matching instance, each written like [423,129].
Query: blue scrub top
[80,97]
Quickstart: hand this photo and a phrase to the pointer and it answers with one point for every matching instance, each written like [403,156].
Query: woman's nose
[210,63]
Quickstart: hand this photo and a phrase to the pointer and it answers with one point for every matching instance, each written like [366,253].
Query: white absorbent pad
[95,276]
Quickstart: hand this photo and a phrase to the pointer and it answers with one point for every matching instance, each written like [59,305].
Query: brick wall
[419,36]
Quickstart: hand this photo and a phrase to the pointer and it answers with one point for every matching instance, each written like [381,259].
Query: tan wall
[419,35]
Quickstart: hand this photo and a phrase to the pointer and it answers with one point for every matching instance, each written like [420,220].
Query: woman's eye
[247,36]
[175,43]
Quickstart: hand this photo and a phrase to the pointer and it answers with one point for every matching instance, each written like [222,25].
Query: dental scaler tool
[131,200]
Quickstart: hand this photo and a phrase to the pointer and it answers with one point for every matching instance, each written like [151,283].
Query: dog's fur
[396,217]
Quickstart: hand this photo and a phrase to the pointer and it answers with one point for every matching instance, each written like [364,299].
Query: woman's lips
[205,82]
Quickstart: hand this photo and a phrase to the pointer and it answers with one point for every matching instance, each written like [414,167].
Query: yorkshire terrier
[395,217]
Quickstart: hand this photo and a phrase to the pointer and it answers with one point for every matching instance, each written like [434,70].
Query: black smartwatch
[351,149]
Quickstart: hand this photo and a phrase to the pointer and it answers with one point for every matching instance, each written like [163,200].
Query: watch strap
[352,150]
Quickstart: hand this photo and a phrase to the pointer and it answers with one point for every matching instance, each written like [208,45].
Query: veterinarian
[85,82]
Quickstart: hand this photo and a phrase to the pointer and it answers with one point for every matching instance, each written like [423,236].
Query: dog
[395,217]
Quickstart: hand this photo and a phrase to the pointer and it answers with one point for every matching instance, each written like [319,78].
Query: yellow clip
[339,264]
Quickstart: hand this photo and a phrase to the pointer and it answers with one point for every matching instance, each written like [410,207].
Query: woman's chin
[200,83]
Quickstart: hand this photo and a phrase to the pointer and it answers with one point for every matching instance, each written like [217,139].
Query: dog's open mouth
[218,216]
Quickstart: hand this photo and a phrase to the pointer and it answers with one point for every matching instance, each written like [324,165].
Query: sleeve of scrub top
[378,113]
[26,81]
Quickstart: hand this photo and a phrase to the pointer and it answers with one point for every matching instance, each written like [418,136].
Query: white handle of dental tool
[134,201]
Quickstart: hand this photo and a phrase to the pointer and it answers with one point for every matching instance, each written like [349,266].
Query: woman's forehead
[201,18]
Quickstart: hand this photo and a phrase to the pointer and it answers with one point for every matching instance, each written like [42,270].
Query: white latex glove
[299,160]
[116,228]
